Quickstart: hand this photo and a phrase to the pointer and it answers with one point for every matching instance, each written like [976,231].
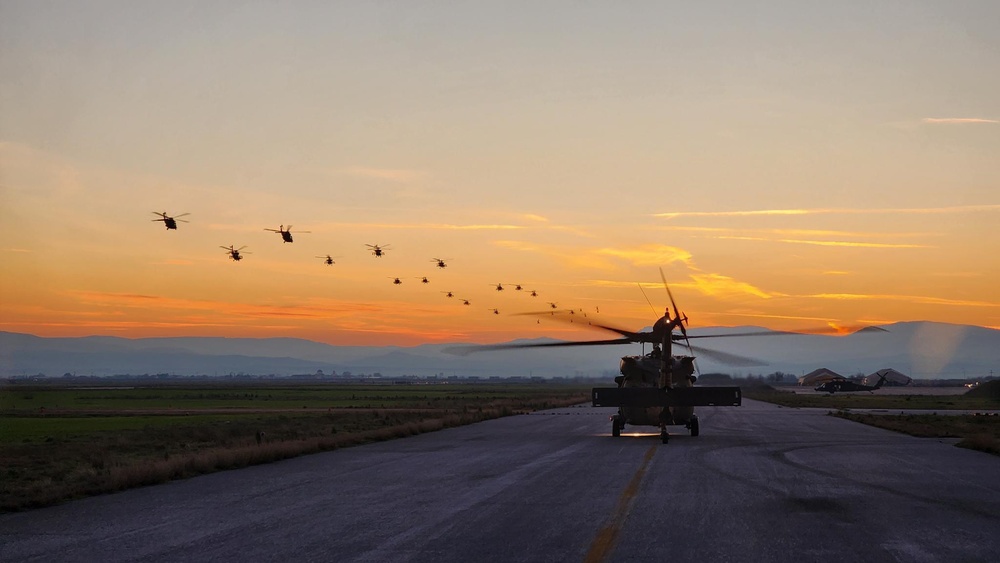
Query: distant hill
[919,349]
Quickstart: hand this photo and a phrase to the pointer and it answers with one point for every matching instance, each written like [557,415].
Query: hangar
[893,378]
[821,375]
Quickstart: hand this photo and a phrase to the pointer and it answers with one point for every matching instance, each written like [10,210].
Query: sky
[787,165]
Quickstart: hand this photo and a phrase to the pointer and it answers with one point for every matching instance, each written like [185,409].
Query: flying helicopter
[440,262]
[396,281]
[378,250]
[534,293]
[170,222]
[846,385]
[499,287]
[328,260]
[465,301]
[495,311]
[234,253]
[286,233]
[423,279]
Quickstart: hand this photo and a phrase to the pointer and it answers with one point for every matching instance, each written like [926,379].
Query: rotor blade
[852,329]
[561,316]
[181,215]
[727,358]
[465,350]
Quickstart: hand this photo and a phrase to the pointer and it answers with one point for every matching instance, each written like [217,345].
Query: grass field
[61,443]
[975,432]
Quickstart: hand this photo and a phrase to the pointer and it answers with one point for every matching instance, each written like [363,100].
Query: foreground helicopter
[170,222]
[846,385]
[654,389]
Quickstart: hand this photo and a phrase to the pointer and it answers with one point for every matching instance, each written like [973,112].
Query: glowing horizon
[770,166]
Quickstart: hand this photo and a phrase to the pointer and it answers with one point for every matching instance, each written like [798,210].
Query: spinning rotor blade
[818,330]
[465,350]
[632,336]
[727,358]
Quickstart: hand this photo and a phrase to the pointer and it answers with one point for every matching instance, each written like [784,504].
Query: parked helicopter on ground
[654,389]
[170,222]
[286,233]
[846,385]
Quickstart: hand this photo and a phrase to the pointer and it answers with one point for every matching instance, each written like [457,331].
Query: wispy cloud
[717,285]
[924,300]
[312,309]
[533,217]
[957,120]
[649,254]
[829,242]
[597,258]
[834,211]
[389,174]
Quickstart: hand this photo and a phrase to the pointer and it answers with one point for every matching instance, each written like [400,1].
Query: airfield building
[819,376]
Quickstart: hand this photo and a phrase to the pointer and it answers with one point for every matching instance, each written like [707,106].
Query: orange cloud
[829,242]
[957,120]
[717,285]
[833,211]
[908,298]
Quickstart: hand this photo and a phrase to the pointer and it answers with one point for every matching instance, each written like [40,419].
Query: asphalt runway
[761,483]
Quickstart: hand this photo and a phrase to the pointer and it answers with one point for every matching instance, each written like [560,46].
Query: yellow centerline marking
[605,539]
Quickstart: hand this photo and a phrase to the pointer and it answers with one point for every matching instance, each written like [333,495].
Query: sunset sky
[788,164]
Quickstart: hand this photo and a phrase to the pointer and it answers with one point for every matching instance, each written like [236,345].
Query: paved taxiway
[762,483]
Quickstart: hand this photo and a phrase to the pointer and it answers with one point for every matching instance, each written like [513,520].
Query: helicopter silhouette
[448,294]
[440,262]
[654,389]
[846,385]
[465,301]
[533,293]
[495,311]
[170,222]
[423,279]
[499,286]
[328,260]
[396,281]
[286,233]
[378,250]
[235,253]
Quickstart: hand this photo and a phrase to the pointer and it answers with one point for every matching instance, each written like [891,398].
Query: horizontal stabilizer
[678,397]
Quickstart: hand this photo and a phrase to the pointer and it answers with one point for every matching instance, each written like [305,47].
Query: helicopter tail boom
[676,397]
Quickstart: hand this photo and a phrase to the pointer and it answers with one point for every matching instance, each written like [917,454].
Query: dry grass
[976,432]
[54,469]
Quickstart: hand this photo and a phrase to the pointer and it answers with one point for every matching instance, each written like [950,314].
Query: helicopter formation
[378,250]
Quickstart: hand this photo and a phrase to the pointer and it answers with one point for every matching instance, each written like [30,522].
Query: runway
[761,483]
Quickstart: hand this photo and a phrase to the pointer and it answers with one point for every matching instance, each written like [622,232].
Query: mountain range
[921,350]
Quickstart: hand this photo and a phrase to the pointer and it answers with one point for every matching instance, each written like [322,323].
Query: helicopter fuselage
[644,371]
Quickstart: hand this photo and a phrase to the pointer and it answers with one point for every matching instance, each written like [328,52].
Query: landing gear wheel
[616,426]
[664,437]
[693,425]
